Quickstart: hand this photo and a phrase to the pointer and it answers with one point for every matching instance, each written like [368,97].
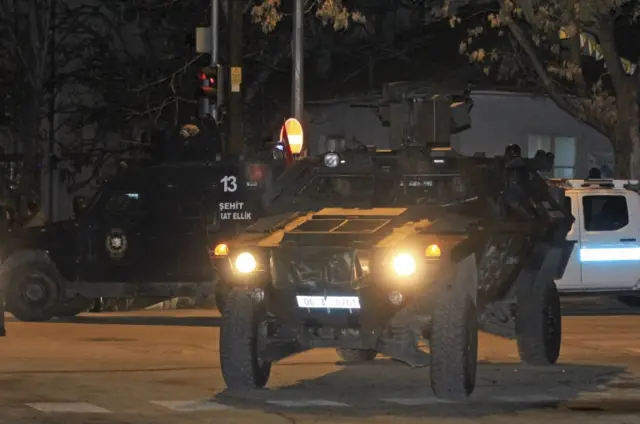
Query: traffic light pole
[215,29]
[236,138]
[298,60]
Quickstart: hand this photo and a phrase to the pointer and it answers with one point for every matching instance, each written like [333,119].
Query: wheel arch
[24,256]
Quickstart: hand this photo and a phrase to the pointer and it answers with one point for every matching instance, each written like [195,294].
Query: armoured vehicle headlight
[432,251]
[245,263]
[404,264]
[331,160]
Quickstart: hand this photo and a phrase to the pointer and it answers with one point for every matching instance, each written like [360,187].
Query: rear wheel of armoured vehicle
[630,301]
[356,355]
[33,292]
[453,344]
[242,334]
[73,307]
[539,323]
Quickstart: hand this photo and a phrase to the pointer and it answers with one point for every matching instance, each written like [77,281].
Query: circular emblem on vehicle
[116,243]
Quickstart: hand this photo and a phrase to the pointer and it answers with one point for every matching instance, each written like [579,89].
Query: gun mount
[418,117]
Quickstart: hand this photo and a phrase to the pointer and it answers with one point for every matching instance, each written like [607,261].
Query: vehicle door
[178,240]
[572,278]
[237,195]
[609,241]
[115,231]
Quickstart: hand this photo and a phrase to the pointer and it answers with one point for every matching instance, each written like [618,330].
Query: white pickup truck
[606,257]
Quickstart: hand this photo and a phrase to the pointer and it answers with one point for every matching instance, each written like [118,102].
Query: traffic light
[209,83]
[209,97]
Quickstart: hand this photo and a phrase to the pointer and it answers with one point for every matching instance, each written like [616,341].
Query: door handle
[628,240]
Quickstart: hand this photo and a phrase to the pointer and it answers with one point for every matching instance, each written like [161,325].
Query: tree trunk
[627,137]
[29,137]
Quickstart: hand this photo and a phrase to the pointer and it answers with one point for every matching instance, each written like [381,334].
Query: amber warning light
[432,251]
[221,250]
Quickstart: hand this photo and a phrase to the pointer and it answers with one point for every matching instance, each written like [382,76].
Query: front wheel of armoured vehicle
[356,355]
[33,292]
[220,296]
[453,344]
[242,333]
[539,324]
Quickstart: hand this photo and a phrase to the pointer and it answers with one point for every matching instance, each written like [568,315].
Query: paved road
[139,368]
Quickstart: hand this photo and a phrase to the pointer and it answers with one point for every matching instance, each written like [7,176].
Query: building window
[564,149]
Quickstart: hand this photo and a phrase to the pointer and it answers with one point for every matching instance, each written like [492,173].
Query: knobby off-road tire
[539,323]
[20,295]
[241,324]
[221,293]
[454,346]
[356,355]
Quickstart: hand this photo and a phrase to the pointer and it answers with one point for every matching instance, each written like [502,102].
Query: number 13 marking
[229,183]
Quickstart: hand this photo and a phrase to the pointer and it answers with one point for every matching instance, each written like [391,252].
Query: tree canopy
[580,53]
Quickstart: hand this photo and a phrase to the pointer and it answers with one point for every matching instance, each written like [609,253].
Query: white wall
[498,119]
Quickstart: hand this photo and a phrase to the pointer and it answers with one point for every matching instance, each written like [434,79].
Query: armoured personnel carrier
[370,251]
[145,234]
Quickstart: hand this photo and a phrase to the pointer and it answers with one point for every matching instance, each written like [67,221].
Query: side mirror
[79,205]
[278,151]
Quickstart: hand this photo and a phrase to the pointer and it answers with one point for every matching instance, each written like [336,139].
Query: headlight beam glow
[245,263]
[404,264]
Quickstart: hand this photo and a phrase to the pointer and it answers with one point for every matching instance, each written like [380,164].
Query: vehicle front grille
[314,269]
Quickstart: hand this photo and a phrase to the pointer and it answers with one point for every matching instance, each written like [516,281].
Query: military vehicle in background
[146,233]
[369,251]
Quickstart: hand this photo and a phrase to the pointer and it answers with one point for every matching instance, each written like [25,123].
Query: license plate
[329,302]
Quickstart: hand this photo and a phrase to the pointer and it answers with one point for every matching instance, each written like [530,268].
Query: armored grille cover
[335,229]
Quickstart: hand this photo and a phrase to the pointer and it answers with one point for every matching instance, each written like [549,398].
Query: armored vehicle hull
[146,234]
[370,251]
[377,280]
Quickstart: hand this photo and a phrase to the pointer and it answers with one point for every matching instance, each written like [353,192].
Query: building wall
[498,119]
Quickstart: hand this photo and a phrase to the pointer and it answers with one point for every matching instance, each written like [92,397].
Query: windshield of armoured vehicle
[339,187]
[381,190]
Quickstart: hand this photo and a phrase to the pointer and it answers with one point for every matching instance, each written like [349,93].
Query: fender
[22,257]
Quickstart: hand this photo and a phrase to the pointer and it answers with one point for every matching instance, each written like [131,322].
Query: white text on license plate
[329,302]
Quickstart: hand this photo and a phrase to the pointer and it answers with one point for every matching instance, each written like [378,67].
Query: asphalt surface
[162,366]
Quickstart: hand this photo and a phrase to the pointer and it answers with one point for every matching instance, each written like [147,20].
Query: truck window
[123,202]
[605,213]
[334,187]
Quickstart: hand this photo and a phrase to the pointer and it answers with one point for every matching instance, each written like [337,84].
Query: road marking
[528,398]
[68,407]
[190,405]
[417,401]
[306,403]
[612,393]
